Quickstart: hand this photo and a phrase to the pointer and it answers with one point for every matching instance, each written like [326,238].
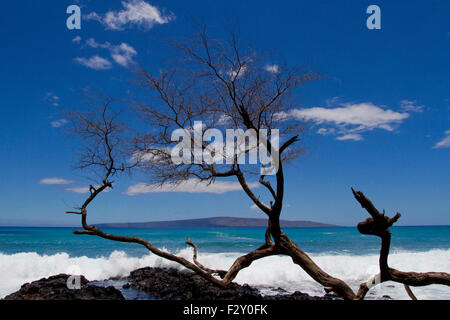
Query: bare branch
[409,292]
[222,85]
[221,273]
[378,225]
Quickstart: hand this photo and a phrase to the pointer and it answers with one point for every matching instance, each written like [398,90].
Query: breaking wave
[267,274]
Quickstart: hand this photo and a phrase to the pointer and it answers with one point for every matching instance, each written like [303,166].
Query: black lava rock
[172,284]
[55,288]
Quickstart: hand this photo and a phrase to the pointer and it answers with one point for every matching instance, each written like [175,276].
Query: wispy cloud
[350,119]
[326,131]
[123,54]
[91,42]
[332,101]
[445,142]
[350,136]
[52,99]
[238,73]
[188,186]
[54,180]
[272,68]
[77,39]
[135,13]
[95,62]
[224,119]
[79,190]
[58,123]
[82,189]
[410,106]
[364,116]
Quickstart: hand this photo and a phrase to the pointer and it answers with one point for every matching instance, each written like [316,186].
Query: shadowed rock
[172,284]
[55,288]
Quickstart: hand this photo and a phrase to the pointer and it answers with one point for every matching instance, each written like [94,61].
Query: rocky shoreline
[156,283]
[172,284]
[55,288]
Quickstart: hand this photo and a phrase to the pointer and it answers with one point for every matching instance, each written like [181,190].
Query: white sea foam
[266,274]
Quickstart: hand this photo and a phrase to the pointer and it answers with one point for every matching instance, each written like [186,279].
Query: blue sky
[379,120]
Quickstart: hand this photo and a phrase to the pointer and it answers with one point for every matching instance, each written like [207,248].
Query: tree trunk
[275,227]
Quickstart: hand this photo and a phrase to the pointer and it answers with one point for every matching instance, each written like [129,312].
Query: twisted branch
[221,273]
[378,225]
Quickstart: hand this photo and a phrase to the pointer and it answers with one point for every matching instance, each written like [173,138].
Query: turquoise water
[314,240]
[28,254]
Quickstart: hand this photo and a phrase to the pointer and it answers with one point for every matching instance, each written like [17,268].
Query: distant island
[214,222]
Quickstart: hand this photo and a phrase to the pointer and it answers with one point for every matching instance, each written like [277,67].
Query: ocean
[28,254]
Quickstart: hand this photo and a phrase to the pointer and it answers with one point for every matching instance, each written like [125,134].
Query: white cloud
[326,131]
[224,120]
[272,68]
[349,120]
[365,116]
[93,16]
[82,190]
[123,54]
[332,101]
[91,42]
[54,181]
[58,123]
[254,207]
[350,136]
[79,190]
[238,72]
[95,62]
[53,99]
[444,143]
[154,156]
[77,39]
[135,12]
[188,186]
[410,106]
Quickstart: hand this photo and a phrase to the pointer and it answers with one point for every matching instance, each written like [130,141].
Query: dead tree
[224,86]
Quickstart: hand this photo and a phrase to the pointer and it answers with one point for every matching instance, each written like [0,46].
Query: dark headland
[214,222]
